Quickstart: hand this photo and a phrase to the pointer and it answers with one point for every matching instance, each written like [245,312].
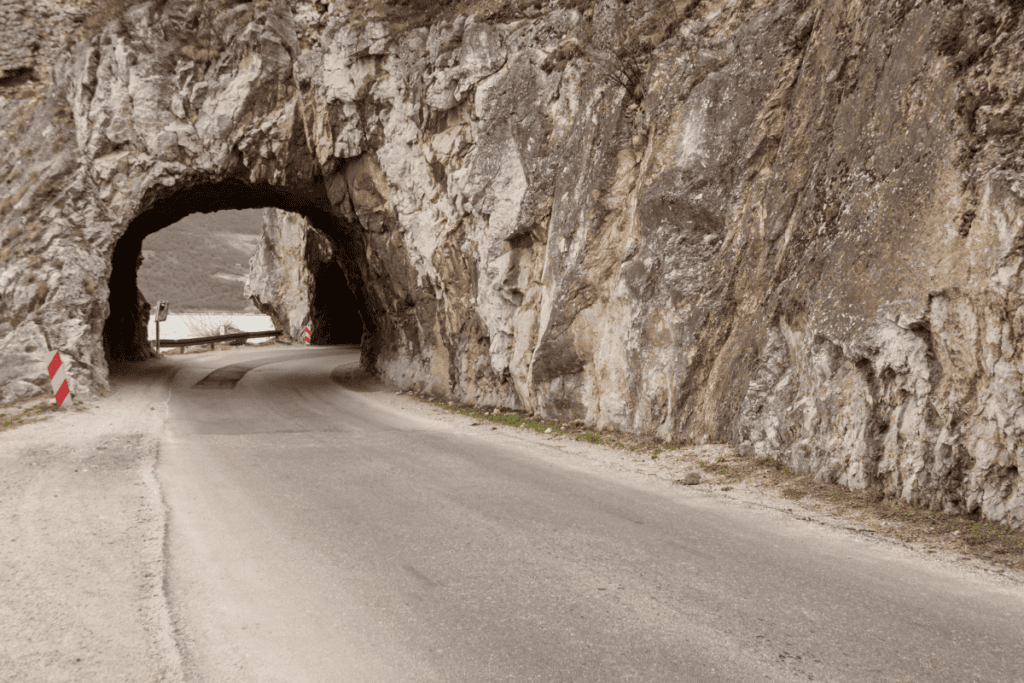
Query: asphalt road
[324,531]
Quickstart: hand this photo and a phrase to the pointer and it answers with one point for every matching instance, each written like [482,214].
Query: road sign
[307,334]
[161,315]
[58,379]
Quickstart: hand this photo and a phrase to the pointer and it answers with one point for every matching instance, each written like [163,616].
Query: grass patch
[979,537]
[19,414]
[576,429]
[969,535]
[793,493]
[510,419]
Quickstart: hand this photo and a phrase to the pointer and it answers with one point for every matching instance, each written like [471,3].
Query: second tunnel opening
[334,297]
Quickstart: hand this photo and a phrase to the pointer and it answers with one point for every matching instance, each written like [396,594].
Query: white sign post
[161,315]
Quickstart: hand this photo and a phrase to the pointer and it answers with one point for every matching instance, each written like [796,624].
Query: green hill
[200,263]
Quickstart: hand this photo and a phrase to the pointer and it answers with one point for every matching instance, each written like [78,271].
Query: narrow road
[325,531]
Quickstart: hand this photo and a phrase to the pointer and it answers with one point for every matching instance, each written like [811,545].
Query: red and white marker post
[307,334]
[58,379]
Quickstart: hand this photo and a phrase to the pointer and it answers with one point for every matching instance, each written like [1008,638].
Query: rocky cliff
[295,279]
[279,278]
[792,225]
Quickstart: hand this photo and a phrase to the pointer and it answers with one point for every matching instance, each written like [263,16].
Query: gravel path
[81,544]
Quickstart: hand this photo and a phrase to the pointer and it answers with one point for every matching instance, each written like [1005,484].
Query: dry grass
[8,203]
[102,12]
[41,291]
[402,16]
[27,411]
[205,324]
[625,65]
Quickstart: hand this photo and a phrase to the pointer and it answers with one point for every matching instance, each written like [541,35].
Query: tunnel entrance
[333,284]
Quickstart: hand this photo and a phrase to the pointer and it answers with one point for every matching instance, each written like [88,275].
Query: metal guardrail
[213,339]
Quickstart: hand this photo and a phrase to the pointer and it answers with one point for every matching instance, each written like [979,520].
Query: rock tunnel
[522,261]
[338,298]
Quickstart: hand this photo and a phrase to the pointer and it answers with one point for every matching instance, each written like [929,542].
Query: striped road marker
[307,334]
[58,379]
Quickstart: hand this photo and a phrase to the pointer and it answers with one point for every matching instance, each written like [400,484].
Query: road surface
[323,530]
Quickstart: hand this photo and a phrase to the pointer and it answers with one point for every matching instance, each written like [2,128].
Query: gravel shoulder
[82,540]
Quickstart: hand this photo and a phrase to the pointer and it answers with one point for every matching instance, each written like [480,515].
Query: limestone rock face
[16,44]
[800,232]
[295,278]
[279,279]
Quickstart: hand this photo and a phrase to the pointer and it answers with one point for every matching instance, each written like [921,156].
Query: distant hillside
[200,263]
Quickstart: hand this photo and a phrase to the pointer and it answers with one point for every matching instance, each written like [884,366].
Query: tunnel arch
[338,285]
[138,132]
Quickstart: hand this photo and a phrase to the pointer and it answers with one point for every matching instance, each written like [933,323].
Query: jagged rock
[294,277]
[691,479]
[279,279]
[25,347]
[801,232]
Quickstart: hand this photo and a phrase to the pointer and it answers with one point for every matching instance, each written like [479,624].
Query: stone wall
[802,234]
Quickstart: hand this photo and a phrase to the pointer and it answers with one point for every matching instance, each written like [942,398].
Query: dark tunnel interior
[337,301]
[334,309]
